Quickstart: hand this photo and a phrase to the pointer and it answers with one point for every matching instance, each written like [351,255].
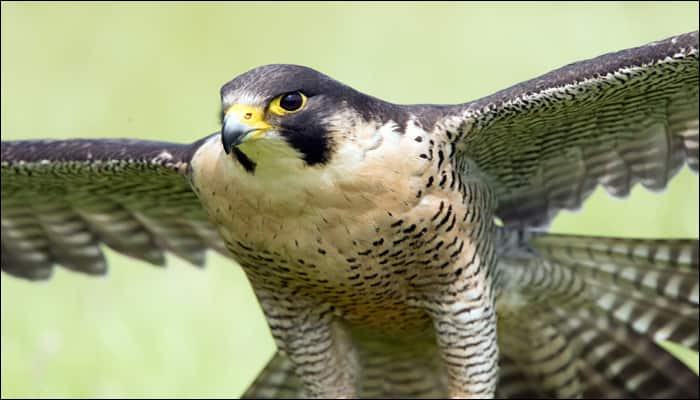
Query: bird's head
[281,111]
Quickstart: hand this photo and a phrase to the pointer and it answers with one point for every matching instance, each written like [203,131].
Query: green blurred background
[153,71]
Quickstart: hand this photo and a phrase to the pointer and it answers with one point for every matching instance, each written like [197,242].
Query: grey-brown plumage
[367,228]
[61,199]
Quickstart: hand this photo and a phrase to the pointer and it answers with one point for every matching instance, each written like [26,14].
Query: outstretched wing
[62,198]
[615,120]
[585,315]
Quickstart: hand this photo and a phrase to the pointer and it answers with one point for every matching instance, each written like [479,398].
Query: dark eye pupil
[291,101]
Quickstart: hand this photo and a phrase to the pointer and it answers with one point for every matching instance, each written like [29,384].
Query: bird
[402,250]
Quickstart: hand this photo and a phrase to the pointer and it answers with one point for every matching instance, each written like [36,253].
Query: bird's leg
[323,359]
[458,292]
[318,346]
[464,318]
[467,343]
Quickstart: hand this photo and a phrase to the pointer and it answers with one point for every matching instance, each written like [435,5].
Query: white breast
[293,209]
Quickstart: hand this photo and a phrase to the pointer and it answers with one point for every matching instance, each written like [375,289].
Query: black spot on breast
[441,158]
[443,180]
[459,250]
[437,214]
[446,217]
[421,233]
[452,243]
[400,240]
[452,224]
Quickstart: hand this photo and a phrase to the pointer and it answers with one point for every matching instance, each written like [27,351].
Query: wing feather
[616,120]
[62,199]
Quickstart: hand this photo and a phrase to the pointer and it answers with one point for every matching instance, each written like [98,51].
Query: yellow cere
[248,115]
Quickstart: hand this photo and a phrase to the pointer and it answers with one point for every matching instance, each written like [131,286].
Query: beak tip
[235,130]
[226,144]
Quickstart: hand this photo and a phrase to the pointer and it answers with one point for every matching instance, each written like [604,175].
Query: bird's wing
[584,314]
[62,199]
[615,120]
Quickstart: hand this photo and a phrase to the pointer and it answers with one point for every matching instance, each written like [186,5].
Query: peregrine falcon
[401,250]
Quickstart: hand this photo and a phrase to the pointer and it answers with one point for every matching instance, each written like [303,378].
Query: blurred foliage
[689,357]
[153,70]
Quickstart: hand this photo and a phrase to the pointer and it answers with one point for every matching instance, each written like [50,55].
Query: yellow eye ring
[288,103]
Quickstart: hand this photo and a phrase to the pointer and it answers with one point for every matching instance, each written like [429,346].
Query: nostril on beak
[248,116]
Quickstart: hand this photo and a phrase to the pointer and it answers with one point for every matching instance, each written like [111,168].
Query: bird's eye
[288,103]
[292,101]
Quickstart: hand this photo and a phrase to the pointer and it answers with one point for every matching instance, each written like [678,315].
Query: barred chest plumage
[368,234]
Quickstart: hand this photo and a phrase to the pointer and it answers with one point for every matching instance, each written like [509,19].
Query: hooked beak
[242,123]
